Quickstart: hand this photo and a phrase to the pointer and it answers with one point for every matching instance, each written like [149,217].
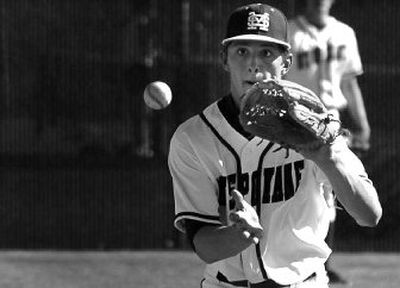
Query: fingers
[234,217]
[263,76]
[238,222]
[253,239]
[238,198]
[244,219]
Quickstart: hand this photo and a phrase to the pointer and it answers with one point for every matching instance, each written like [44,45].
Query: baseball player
[326,60]
[255,213]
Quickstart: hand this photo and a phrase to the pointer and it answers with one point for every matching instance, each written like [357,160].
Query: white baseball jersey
[208,158]
[322,57]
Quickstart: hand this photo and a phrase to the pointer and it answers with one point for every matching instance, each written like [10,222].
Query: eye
[266,53]
[241,51]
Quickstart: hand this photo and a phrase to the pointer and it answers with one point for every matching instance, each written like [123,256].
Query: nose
[255,65]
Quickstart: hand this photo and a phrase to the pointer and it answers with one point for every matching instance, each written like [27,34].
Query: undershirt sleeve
[192,227]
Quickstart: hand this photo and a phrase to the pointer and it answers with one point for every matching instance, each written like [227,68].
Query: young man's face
[319,6]
[245,59]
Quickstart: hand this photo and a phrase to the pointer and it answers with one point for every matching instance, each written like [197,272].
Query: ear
[287,63]
[224,59]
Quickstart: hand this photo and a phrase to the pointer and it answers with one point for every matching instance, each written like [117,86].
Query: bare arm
[214,243]
[356,107]
[349,181]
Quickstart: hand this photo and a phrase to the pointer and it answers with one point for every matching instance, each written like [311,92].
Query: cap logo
[258,21]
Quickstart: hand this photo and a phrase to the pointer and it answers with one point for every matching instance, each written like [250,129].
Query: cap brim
[255,37]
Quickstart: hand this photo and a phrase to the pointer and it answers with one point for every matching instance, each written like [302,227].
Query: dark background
[83,161]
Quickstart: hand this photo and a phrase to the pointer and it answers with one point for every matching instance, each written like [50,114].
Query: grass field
[159,269]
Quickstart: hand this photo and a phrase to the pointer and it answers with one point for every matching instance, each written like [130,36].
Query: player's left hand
[287,113]
[245,218]
[322,153]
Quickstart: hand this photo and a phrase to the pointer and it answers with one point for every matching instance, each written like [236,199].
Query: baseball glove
[287,113]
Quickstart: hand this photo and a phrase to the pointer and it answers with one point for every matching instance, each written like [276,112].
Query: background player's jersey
[323,57]
[208,158]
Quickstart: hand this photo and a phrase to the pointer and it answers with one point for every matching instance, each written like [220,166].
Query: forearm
[356,106]
[353,189]
[359,115]
[214,243]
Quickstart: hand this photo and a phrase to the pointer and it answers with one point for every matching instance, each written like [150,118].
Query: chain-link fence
[83,159]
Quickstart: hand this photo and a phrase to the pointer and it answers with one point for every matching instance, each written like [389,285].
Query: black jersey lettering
[298,167]
[232,182]
[303,60]
[255,187]
[288,181]
[268,173]
[330,53]
[340,52]
[277,195]
[284,181]
[315,56]
[221,190]
[243,183]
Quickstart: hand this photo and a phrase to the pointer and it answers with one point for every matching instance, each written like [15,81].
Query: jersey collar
[231,113]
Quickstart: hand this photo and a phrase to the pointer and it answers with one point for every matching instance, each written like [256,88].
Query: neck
[319,21]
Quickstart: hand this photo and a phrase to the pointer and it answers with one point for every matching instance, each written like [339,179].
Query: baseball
[157,95]
[263,76]
[259,76]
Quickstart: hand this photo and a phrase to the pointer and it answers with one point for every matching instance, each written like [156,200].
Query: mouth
[249,82]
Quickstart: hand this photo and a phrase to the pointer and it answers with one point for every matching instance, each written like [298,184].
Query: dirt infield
[159,269]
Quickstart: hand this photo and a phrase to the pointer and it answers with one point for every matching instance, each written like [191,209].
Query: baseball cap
[257,22]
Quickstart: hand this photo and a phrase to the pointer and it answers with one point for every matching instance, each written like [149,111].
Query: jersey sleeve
[194,192]
[354,65]
[354,167]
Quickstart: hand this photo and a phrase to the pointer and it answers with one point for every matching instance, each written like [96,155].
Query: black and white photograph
[199,144]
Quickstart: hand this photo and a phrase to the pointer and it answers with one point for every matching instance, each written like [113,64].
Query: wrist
[327,154]
[332,155]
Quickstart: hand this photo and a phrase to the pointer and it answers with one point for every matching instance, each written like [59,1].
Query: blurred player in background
[327,60]
[273,233]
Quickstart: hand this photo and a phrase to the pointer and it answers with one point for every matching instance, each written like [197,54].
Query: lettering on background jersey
[278,183]
[315,56]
